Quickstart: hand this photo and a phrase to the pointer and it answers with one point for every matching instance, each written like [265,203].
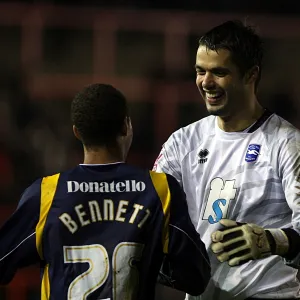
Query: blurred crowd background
[51,49]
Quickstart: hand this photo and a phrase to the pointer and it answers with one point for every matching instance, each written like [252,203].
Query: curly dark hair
[241,40]
[98,112]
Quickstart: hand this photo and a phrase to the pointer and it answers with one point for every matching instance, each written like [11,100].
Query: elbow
[207,275]
[198,286]
[5,277]
[196,292]
[197,279]
[196,289]
[5,281]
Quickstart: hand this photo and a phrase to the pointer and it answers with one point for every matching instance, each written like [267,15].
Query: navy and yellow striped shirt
[102,232]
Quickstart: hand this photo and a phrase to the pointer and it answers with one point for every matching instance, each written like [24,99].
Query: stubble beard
[219,111]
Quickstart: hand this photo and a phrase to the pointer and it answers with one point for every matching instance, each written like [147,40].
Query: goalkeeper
[239,168]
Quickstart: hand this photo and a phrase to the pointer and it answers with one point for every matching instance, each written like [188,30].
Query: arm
[17,236]
[290,173]
[186,264]
[240,242]
[168,160]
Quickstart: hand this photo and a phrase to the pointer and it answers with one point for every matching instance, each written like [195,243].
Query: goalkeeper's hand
[238,243]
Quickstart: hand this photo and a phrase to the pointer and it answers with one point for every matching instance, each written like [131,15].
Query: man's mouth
[214,97]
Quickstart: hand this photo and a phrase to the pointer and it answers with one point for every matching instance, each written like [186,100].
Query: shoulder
[279,131]
[283,140]
[197,129]
[166,186]
[164,178]
[188,137]
[31,194]
[33,190]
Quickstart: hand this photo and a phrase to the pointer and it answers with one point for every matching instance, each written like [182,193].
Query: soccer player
[102,229]
[239,169]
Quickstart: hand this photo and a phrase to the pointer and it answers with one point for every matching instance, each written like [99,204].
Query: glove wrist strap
[280,243]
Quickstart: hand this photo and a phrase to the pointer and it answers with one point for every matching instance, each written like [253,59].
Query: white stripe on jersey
[247,177]
[190,240]
[2,258]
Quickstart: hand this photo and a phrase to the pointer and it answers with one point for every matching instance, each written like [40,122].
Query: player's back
[101,232]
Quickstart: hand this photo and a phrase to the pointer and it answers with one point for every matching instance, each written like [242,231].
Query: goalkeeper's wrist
[278,241]
[294,243]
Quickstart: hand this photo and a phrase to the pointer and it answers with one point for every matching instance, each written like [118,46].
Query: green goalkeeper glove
[240,242]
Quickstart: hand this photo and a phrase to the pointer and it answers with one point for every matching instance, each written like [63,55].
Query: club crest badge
[252,152]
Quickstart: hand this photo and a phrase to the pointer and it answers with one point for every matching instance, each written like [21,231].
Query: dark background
[50,49]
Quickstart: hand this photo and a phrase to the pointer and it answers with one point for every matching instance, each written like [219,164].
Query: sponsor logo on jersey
[221,193]
[252,152]
[203,156]
[106,187]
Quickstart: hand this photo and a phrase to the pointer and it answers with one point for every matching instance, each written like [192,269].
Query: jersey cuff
[292,257]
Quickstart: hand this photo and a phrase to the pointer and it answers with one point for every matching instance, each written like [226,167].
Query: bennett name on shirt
[105,209]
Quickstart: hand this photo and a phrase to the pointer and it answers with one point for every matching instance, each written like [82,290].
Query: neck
[241,119]
[102,155]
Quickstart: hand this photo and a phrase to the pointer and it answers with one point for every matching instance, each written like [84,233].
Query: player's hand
[238,243]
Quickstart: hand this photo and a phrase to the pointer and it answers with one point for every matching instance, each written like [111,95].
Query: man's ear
[127,127]
[76,133]
[252,75]
[129,124]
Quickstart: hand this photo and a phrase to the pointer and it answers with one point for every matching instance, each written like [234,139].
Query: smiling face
[220,82]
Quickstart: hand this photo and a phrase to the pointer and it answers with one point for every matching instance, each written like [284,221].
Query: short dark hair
[241,40]
[98,112]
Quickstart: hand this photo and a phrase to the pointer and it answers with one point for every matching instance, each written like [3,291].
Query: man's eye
[220,73]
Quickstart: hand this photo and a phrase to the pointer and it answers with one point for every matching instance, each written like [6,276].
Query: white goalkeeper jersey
[247,177]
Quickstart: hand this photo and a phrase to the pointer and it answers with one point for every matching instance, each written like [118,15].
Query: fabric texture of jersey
[101,232]
[247,177]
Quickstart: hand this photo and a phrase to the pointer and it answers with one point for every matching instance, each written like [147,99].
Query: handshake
[238,243]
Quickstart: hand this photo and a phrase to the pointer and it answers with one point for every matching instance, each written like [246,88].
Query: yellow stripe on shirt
[45,288]
[48,189]
[161,186]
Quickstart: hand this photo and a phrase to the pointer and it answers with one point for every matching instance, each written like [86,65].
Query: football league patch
[252,152]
